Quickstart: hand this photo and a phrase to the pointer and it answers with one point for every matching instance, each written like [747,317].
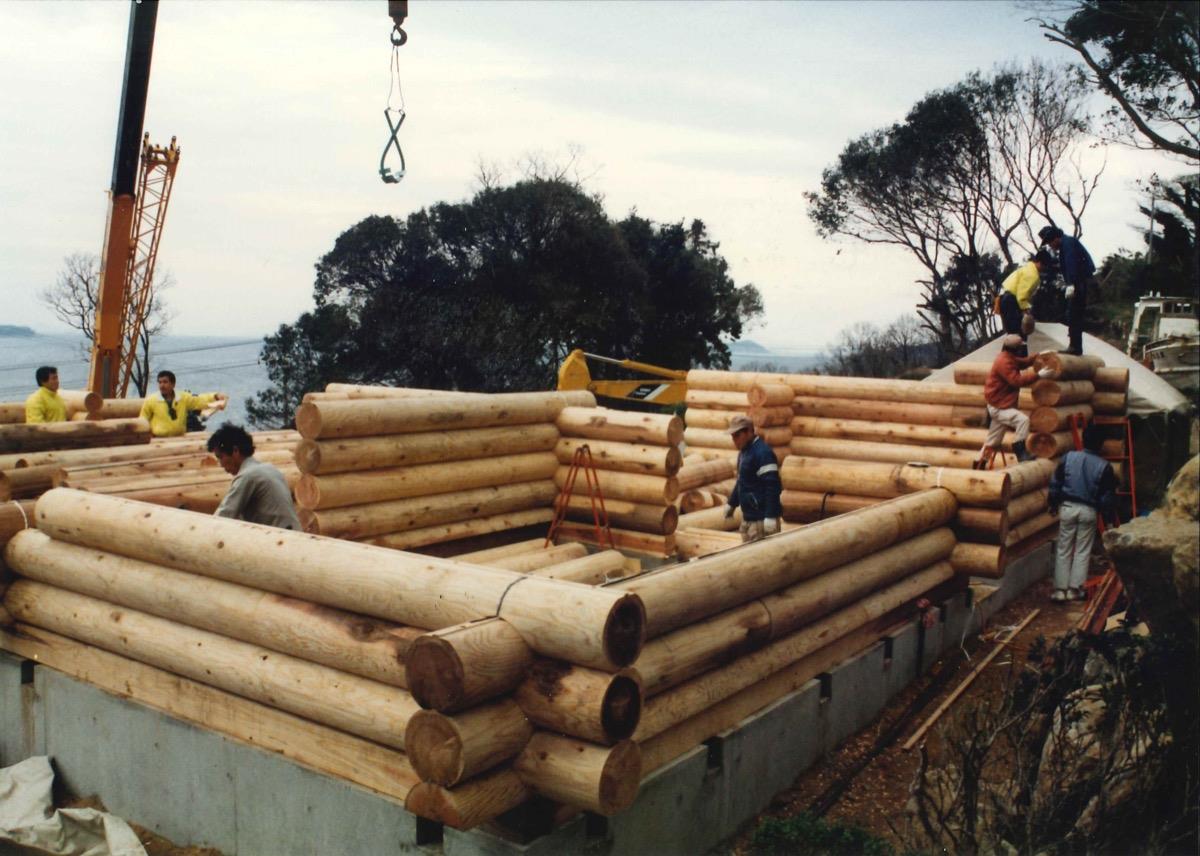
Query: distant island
[11,330]
[748,346]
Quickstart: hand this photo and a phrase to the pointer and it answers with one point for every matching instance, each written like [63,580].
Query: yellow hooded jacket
[158,413]
[1023,282]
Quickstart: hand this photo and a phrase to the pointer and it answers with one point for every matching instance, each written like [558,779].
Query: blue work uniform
[758,486]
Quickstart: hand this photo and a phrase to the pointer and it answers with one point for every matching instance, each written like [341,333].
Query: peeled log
[698,475]
[1110,403]
[717,400]
[203,499]
[1028,528]
[594,778]
[340,640]
[776,437]
[27,482]
[694,543]
[82,400]
[679,656]
[399,515]
[458,667]
[690,698]
[769,417]
[642,517]
[358,390]
[73,435]
[623,457]
[769,395]
[600,423]
[651,490]
[456,531]
[320,457]
[118,408]
[590,570]
[1049,420]
[988,488]
[590,626]
[717,420]
[473,802]
[491,554]
[695,500]
[15,516]
[375,416]
[583,703]
[712,518]
[1067,366]
[12,412]
[1111,379]
[862,450]
[357,488]
[978,560]
[723,381]
[1027,505]
[359,706]
[971,374]
[1029,475]
[884,390]
[952,415]
[1051,445]
[1053,393]
[534,559]
[683,594]
[891,432]
[709,438]
[808,506]
[447,749]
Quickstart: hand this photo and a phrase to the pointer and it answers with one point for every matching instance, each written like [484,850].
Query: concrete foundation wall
[197,787]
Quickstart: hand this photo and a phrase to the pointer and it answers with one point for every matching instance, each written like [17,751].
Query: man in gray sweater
[259,493]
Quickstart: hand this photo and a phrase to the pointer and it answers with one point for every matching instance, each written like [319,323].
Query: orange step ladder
[582,460]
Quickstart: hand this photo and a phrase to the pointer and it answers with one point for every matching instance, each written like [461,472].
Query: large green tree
[490,294]
[963,184]
[1145,55]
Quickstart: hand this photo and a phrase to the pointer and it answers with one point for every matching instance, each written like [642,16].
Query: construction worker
[1083,485]
[1010,371]
[45,404]
[758,487]
[1016,294]
[1079,273]
[259,493]
[168,411]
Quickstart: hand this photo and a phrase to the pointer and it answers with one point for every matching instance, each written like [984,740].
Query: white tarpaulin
[1148,393]
[28,819]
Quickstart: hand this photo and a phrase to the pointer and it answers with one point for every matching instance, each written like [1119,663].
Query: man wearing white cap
[758,487]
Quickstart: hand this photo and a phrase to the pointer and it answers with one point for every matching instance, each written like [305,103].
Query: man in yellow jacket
[167,412]
[45,405]
[1016,295]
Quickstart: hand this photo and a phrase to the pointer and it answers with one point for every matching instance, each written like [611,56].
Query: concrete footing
[197,787]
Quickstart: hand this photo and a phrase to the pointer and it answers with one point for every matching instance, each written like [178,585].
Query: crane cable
[395,91]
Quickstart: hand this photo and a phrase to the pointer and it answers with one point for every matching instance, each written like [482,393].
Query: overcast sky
[725,112]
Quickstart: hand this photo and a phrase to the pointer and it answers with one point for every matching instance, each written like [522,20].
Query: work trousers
[1076,534]
[1010,314]
[1003,420]
[1076,309]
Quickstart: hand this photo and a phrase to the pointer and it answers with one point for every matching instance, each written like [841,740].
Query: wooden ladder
[582,460]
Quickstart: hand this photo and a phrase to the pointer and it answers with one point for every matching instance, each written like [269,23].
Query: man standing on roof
[259,493]
[168,411]
[1016,294]
[1083,485]
[1002,392]
[45,404]
[758,487]
[1079,273]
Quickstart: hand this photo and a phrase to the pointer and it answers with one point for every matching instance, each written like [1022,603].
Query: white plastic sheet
[27,818]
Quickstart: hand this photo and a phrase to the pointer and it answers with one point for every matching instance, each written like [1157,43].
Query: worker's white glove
[1045,374]
[728,511]
[1070,292]
[771,525]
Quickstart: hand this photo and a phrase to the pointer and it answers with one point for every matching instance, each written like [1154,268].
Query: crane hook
[399,37]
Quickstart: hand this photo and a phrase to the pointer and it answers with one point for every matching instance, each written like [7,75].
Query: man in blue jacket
[1083,485]
[1078,272]
[758,487]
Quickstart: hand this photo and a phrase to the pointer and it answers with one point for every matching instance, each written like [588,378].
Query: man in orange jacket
[1002,392]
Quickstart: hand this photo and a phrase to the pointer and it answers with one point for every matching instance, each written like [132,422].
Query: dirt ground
[876,796]
[155,845]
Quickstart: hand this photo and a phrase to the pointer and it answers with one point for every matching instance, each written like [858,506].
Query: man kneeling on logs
[758,486]
[1002,392]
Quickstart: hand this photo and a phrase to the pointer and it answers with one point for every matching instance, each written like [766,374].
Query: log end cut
[435,747]
[625,630]
[435,674]
[308,421]
[620,778]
